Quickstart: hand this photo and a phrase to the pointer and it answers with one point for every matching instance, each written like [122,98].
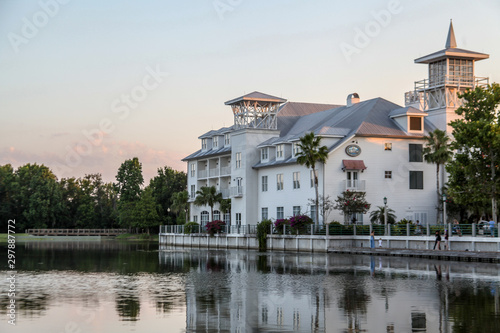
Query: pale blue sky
[62,84]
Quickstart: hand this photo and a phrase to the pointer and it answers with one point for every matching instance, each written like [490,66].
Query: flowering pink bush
[299,223]
[279,223]
[215,227]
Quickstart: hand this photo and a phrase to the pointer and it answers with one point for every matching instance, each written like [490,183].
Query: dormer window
[296,149]
[227,139]
[203,144]
[264,154]
[215,142]
[279,151]
[416,123]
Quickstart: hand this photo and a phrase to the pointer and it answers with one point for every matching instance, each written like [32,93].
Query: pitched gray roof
[256,96]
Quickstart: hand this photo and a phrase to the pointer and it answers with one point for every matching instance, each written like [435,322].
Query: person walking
[492,228]
[438,240]
[372,239]
[446,244]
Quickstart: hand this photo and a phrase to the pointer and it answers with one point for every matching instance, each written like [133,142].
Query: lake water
[113,286]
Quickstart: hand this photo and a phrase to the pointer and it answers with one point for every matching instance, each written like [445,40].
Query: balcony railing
[236,191]
[225,171]
[354,185]
[455,80]
[214,172]
[225,193]
[202,173]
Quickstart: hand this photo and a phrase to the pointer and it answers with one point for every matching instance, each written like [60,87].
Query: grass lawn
[4,237]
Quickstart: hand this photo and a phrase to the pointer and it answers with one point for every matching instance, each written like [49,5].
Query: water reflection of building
[242,291]
[233,292]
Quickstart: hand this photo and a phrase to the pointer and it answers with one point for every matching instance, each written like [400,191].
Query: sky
[86,85]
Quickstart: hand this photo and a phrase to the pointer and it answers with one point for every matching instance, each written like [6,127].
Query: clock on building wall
[353,150]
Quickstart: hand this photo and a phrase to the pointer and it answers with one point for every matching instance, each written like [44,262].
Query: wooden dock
[76,232]
[477,256]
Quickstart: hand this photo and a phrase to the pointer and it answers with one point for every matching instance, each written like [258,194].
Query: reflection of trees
[128,307]
[354,300]
[27,306]
[474,310]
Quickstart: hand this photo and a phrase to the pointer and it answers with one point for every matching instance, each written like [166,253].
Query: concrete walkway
[491,257]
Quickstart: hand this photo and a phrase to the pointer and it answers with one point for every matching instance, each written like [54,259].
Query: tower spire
[450,41]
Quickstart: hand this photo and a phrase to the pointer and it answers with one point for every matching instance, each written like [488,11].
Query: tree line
[35,198]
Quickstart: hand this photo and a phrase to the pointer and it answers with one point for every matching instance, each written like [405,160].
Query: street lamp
[444,208]
[385,215]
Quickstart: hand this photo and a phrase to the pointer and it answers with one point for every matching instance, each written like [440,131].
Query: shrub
[191,228]
[263,229]
[299,223]
[279,223]
[215,227]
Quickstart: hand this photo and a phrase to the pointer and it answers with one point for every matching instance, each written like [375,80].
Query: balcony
[213,172]
[236,191]
[225,193]
[225,171]
[353,185]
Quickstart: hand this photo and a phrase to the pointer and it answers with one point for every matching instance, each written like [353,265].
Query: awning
[353,165]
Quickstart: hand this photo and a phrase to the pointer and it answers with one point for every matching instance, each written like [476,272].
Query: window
[238,219]
[227,218]
[312,177]
[296,180]
[296,210]
[238,160]
[416,180]
[388,146]
[296,149]
[352,179]
[313,213]
[215,142]
[193,169]
[193,191]
[280,213]
[388,174]
[264,183]
[264,154]
[279,182]
[195,218]
[216,215]
[416,123]
[227,139]
[265,213]
[416,152]
[204,144]
[279,151]
[205,216]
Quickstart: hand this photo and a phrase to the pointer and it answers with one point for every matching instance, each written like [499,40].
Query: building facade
[375,146]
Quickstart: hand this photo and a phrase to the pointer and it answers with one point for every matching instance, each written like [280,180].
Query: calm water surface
[113,286]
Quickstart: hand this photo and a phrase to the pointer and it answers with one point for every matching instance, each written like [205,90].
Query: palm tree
[378,215]
[437,151]
[180,203]
[225,207]
[311,153]
[208,195]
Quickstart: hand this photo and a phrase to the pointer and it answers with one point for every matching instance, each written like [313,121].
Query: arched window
[216,215]
[205,216]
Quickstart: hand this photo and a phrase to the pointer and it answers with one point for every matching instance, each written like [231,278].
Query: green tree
[208,196]
[225,207]
[164,185]
[351,203]
[180,204]
[7,203]
[477,134]
[378,215]
[437,151]
[37,196]
[145,215]
[311,152]
[129,183]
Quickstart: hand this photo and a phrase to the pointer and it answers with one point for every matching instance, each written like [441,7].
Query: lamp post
[444,208]
[385,215]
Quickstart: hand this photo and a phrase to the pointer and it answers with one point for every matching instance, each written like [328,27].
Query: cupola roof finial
[450,41]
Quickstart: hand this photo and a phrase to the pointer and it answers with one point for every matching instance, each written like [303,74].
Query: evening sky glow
[85,85]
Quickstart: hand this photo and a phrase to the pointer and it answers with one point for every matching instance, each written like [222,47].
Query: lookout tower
[255,110]
[451,71]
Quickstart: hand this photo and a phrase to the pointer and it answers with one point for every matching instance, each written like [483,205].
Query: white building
[374,146]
